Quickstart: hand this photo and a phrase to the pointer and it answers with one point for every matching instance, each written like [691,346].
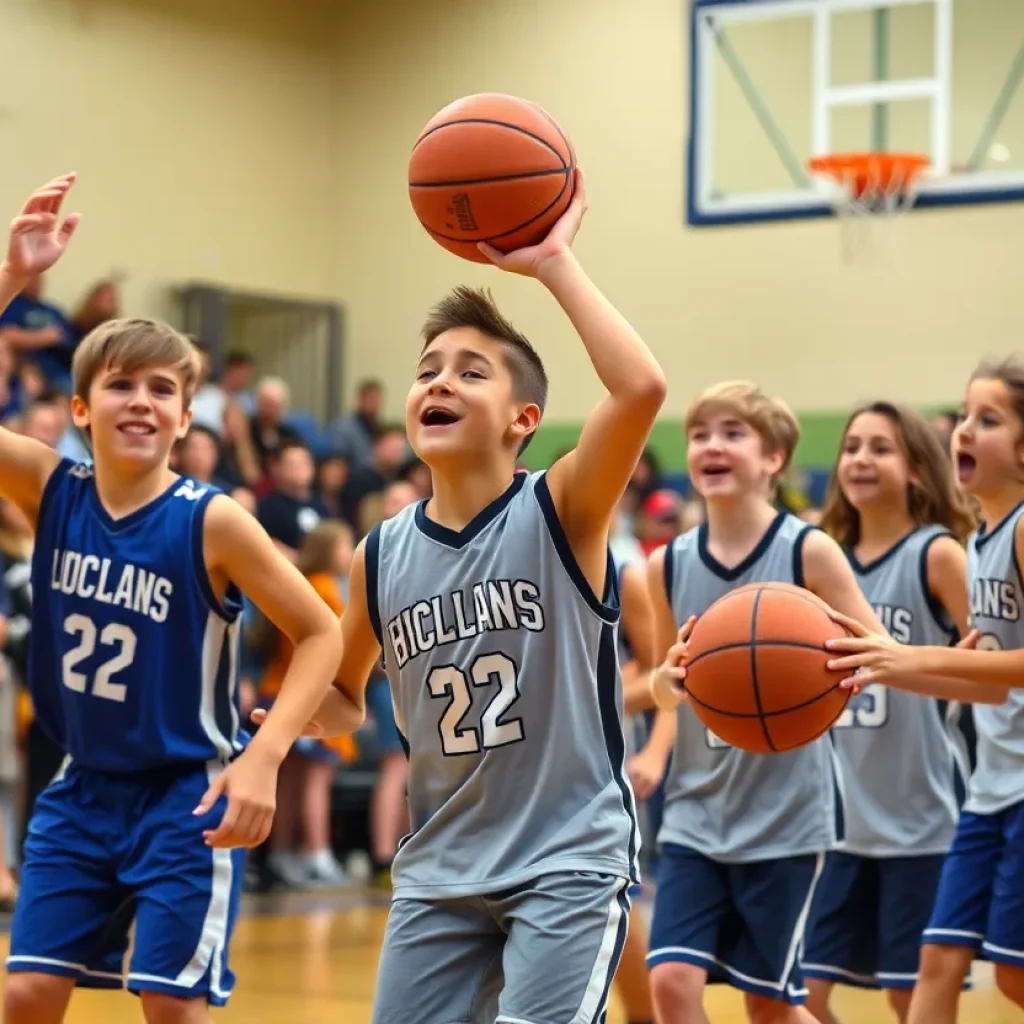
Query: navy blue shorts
[378,703]
[103,850]
[867,919]
[980,902]
[743,923]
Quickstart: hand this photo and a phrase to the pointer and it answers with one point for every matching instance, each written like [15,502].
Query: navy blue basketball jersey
[133,660]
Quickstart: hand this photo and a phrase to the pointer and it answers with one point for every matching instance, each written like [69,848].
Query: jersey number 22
[119,638]
[449,681]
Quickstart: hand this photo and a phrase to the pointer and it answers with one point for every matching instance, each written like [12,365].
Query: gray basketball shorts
[544,952]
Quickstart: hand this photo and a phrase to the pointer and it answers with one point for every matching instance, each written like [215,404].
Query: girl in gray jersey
[894,507]
[744,836]
[495,607]
[979,907]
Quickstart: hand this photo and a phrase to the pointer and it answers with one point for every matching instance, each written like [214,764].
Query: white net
[870,193]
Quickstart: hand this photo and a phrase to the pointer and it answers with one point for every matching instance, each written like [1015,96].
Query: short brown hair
[934,501]
[475,307]
[770,417]
[130,345]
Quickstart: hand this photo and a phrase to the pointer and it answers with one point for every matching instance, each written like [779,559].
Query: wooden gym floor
[312,959]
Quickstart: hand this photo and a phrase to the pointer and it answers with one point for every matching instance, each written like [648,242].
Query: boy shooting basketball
[137,575]
[495,606]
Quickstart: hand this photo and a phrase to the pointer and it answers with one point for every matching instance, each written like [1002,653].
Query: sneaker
[322,869]
[289,867]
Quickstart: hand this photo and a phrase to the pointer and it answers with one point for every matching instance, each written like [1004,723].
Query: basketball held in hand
[757,673]
[491,168]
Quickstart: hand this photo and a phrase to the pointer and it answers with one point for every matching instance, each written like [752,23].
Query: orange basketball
[757,675]
[490,168]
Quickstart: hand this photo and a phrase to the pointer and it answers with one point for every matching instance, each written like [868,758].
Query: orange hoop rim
[864,173]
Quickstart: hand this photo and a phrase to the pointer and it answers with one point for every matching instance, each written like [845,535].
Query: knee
[899,1000]
[944,967]
[1010,981]
[763,1010]
[160,1008]
[677,988]
[36,998]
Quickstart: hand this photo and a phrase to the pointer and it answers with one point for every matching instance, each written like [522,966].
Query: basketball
[490,168]
[757,675]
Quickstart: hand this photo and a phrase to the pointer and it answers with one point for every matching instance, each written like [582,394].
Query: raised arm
[586,484]
[37,240]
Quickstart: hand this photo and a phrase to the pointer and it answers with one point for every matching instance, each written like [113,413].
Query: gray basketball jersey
[506,685]
[724,802]
[898,753]
[996,602]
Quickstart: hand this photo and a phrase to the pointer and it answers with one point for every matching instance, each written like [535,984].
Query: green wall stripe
[819,442]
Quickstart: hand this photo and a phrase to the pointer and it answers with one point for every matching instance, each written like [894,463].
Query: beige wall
[201,130]
[772,302]
[265,144]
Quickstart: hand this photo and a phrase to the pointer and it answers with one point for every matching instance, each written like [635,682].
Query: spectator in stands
[332,475]
[210,400]
[101,303]
[267,425]
[390,450]
[292,509]
[236,380]
[10,385]
[355,433]
[417,473]
[659,520]
[40,333]
[199,457]
[45,420]
[239,460]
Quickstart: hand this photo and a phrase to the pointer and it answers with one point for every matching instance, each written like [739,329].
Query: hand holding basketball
[529,261]
[38,238]
[667,687]
[870,655]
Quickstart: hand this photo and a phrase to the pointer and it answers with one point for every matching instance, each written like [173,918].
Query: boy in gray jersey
[744,836]
[495,605]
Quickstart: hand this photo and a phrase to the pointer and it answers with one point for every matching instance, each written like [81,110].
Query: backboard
[774,83]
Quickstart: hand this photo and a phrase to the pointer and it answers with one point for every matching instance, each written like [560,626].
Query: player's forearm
[636,687]
[339,715]
[622,360]
[663,735]
[945,688]
[311,671]
[992,668]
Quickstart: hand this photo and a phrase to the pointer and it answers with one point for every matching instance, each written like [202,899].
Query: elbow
[652,387]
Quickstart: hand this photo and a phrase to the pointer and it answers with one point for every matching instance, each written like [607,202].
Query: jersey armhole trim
[199,571]
[935,607]
[798,554]
[53,481]
[607,610]
[371,566]
[669,570]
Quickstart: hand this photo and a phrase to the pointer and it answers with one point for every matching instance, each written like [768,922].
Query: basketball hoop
[868,190]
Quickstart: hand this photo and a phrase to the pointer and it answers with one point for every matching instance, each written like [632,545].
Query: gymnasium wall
[769,302]
[201,131]
[265,145]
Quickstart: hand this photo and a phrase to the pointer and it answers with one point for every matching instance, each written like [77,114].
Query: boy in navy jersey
[137,577]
